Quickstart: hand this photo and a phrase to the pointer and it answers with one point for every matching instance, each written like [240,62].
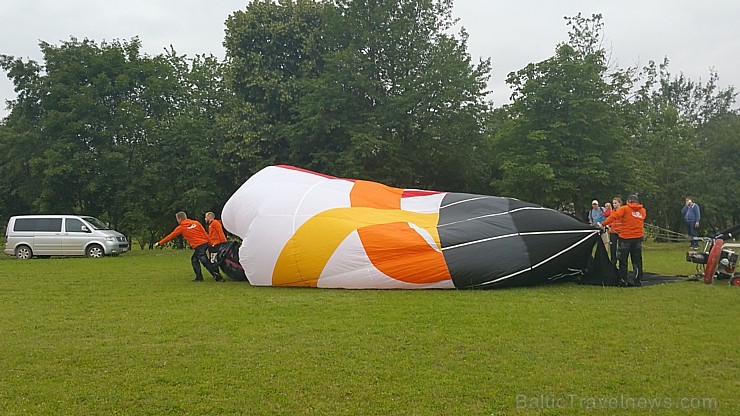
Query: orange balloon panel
[390,246]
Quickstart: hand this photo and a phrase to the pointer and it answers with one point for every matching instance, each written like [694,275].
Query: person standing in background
[606,211]
[691,216]
[614,228]
[596,215]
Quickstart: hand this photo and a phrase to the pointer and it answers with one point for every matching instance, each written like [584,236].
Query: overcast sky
[694,35]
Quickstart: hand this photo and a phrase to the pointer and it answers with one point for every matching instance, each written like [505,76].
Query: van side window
[73,225]
[49,224]
[38,224]
[25,224]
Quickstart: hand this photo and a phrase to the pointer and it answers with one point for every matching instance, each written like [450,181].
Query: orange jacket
[632,216]
[216,232]
[615,226]
[191,231]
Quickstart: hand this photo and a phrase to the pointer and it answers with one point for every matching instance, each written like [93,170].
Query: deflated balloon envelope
[301,228]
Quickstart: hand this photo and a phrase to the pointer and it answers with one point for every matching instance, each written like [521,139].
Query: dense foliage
[357,88]
[105,131]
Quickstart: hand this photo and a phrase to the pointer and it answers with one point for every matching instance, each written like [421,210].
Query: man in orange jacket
[215,234]
[194,233]
[632,218]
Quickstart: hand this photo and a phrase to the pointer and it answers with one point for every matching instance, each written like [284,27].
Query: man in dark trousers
[691,216]
[194,233]
[215,234]
[614,228]
[632,217]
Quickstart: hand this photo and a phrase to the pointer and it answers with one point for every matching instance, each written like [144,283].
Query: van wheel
[23,252]
[95,251]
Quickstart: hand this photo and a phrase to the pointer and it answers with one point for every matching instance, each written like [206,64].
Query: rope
[665,234]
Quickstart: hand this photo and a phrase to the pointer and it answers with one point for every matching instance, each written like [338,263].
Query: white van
[61,235]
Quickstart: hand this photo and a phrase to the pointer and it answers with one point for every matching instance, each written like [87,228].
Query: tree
[271,48]
[70,108]
[17,188]
[360,88]
[564,140]
[719,172]
[676,124]
[104,130]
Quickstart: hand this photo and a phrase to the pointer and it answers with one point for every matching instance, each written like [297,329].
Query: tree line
[382,91]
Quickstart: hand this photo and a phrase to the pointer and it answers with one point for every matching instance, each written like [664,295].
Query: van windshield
[96,223]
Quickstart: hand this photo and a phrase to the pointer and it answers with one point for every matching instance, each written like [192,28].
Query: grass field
[132,335]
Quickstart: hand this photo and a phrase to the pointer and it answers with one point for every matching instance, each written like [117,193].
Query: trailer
[718,260]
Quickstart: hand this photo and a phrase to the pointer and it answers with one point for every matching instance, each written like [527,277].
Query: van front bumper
[116,247]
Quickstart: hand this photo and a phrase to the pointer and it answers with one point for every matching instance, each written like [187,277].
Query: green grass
[133,335]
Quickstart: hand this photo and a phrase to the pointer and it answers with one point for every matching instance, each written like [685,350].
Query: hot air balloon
[302,228]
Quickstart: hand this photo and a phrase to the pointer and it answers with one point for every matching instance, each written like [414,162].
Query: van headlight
[110,238]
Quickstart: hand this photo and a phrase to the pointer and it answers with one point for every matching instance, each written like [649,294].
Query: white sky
[694,35]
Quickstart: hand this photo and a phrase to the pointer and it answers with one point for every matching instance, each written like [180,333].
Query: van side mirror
[84,228]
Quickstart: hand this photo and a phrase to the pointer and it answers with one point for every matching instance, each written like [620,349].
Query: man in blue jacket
[596,214]
[691,217]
